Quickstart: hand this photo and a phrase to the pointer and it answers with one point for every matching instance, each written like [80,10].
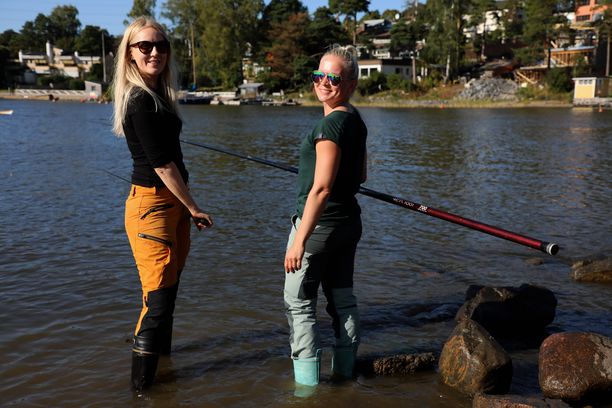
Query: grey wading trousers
[328,260]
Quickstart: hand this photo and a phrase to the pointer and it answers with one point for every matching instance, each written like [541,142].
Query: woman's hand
[293,258]
[201,220]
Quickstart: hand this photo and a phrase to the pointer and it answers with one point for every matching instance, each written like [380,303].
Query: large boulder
[597,268]
[472,361]
[576,367]
[511,311]
[515,401]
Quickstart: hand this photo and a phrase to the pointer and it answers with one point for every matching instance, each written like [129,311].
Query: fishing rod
[548,247]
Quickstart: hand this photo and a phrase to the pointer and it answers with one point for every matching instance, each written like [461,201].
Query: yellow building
[592,91]
[588,88]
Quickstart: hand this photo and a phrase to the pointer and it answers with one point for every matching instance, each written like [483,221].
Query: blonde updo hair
[348,54]
[127,77]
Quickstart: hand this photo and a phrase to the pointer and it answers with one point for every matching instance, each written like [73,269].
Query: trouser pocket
[156,208]
[156,239]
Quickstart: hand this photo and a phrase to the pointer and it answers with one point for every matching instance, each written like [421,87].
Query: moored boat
[6,112]
[195,98]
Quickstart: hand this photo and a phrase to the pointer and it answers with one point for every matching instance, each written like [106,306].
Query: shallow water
[70,290]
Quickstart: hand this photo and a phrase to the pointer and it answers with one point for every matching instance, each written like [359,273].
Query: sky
[110,14]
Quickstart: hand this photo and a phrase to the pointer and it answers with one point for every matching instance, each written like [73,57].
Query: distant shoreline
[374,103]
[453,104]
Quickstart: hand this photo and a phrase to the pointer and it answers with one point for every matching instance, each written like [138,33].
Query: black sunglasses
[146,47]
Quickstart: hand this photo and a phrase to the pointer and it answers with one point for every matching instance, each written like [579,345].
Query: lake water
[70,291]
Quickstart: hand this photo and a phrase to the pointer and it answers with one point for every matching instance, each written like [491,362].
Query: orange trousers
[158,228]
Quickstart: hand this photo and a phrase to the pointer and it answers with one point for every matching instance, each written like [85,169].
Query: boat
[6,112]
[195,98]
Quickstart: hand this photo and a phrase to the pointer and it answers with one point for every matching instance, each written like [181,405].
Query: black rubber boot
[144,363]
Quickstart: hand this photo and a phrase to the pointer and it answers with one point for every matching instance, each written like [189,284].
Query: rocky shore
[379,100]
[574,369]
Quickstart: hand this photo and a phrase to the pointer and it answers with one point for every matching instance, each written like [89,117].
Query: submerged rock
[507,310]
[472,361]
[597,268]
[576,367]
[400,364]
[515,401]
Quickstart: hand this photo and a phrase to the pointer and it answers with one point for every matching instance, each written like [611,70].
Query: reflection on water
[70,289]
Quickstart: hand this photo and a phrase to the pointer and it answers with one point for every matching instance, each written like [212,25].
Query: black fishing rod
[548,247]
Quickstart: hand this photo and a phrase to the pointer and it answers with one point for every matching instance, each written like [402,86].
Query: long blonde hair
[127,77]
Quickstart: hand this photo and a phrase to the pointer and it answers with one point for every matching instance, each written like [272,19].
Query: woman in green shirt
[327,226]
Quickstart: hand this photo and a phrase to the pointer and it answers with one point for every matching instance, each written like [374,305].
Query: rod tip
[552,248]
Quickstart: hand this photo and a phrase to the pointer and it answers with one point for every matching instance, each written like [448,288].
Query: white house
[402,67]
[53,61]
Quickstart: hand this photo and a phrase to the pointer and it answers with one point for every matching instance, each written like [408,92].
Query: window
[364,72]
[586,17]
[398,70]
[583,3]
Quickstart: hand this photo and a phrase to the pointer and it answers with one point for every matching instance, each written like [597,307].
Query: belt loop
[133,190]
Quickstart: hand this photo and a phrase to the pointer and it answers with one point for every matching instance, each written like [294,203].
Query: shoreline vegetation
[432,100]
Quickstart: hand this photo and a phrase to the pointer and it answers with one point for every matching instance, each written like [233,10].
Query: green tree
[184,16]
[540,29]
[89,41]
[34,34]
[371,15]
[445,40]
[10,40]
[604,29]
[64,26]
[478,16]
[511,20]
[227,28]
[9,69]
[280,10]
[141,8]
[405,35]
[350,8]
[323,31]
[277,11]
[391,14]
[286,57]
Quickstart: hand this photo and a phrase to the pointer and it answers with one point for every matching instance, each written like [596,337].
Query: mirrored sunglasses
[318,76]
[146,47]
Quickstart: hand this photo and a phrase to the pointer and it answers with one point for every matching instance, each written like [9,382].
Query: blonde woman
[159,208]
[327,226]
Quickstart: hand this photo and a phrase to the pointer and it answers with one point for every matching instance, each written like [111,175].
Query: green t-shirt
[348,131]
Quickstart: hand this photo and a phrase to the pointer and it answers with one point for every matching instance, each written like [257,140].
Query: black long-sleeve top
[153,139]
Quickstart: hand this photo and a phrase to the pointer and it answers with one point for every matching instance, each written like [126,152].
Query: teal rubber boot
[306,370]
[343,362]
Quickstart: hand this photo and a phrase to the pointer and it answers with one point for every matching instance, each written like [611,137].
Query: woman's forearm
[171,177]
[315,204]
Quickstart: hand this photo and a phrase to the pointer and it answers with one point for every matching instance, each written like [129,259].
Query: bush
[398,82]
[76,84]
[559,80]
[376,82]
[53,81]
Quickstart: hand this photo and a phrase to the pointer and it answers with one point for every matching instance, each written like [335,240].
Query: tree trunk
[448,59]
[193,68]
[608,55]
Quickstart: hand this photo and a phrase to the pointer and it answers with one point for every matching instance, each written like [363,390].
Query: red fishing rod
[548,247]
